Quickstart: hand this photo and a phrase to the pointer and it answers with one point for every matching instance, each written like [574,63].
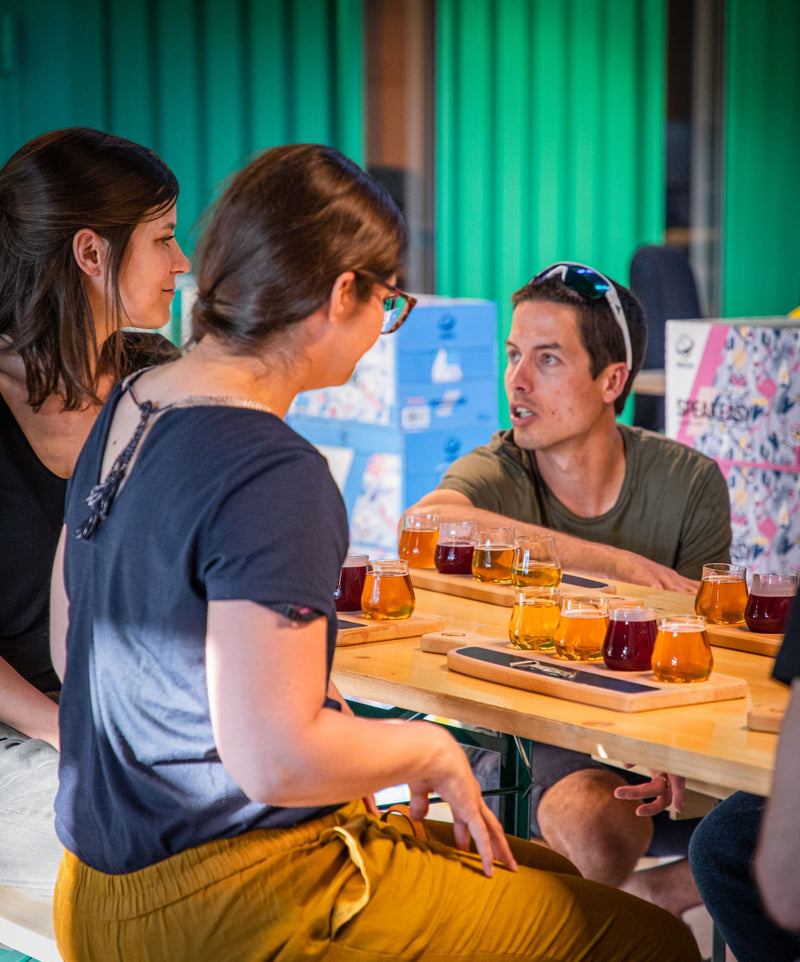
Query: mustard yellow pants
[350,888]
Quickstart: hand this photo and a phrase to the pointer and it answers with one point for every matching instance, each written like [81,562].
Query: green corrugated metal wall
[550,126]
[761,211]
[203,82]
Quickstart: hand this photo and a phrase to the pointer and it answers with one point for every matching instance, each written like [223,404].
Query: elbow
[268,781]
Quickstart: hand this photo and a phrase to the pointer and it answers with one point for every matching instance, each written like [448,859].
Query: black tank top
[31,515]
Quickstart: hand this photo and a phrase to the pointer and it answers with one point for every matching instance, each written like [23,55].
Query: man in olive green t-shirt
[622,503]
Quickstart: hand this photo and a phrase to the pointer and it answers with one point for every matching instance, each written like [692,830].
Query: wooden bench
[26,924]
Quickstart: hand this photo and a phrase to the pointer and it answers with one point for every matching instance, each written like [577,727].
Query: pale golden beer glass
[581,628]
[535,562]
[682,652]
[534,619]
[491,559]
[388,593]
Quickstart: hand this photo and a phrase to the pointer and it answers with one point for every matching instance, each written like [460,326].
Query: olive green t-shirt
[673,507]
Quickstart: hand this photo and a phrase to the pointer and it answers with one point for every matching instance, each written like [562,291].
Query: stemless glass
[388,594]
[769,602]
[491,559]
[534,619]
[418,540]
[581,628]
[722,595]
[453,555]
[535,562]
[630,637]
[682,652]
[351,583]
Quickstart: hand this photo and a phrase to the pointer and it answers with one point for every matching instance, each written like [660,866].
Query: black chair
[663,280]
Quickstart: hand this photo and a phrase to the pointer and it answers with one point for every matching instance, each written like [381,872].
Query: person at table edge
[622,503]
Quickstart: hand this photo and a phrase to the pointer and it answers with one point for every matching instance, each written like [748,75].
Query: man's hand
[664,790]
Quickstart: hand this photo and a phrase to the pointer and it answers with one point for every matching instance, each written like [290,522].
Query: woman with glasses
[210,796]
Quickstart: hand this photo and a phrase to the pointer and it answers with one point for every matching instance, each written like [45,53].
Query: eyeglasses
[592,285]
[396,307]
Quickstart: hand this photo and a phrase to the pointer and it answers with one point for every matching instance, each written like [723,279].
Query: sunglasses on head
[592,285]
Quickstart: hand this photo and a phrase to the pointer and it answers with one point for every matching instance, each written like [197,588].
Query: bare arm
[26,708]
[576,554]
[778,852]
[284,748]
[59,610]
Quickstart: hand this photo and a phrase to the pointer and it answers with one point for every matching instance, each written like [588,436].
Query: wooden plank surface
[465,586]
[710,744]
[717,688]
[740,638]
[362,631]
[766,717]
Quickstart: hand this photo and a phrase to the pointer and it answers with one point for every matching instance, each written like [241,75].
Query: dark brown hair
[281,233]
[597,328]
[52,187]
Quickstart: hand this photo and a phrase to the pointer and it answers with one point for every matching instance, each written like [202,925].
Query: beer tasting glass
[418,539]
[581,628]
[453,555]
[682,652]
[351,583]
[491,559]
[769,602]
[630,638]
[388,594]
[535,562]
[722,595]
[534,619]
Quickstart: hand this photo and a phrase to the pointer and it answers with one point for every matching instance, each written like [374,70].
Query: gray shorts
[30,852]
[549,764]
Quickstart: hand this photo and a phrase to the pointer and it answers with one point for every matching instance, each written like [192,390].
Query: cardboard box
[439,371]
[733,392]
[381,471]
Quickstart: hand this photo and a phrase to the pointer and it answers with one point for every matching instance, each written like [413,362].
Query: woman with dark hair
[208,801]
[86,247]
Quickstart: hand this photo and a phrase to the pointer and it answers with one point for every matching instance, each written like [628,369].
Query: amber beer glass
[769,602]
[722,595]
[491,559]
[453,555]
[388,594]
[682,652]
[535,562]
[351,583]
[534,619]
[418,540]
[581,628]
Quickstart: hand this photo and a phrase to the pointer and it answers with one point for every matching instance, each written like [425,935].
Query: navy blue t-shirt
[219,503]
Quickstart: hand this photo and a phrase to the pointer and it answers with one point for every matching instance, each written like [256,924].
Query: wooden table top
[710,744]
